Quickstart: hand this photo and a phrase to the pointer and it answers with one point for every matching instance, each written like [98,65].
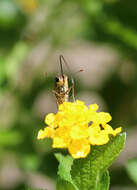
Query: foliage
[91,172]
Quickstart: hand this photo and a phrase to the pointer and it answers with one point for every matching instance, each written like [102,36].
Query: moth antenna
[60,58]
[63,59]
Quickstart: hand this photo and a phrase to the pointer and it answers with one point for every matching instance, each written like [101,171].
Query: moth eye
[57,79]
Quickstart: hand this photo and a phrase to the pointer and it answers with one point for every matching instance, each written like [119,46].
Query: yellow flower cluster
[77,127]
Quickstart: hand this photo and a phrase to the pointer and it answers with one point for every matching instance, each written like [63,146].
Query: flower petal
[79,132]
[46,133]
[93,107]
[97,137]
[117,131]
[102,118]
[59,143]
[79,148]
[49,119]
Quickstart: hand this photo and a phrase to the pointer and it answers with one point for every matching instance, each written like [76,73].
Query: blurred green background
[98,36]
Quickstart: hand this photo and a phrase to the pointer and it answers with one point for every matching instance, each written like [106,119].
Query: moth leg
[73,89]
[73,93]
[56,93]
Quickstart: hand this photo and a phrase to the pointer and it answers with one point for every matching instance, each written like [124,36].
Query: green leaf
[86,172]
[65,163]
[64,185]
[104,181]
[131,168]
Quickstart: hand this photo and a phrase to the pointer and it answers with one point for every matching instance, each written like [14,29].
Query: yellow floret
[48,132]
[59,142]
[79,148]
[93,107]
[79,132]
[102,118]
[50,120]
[97,136]
[117,131]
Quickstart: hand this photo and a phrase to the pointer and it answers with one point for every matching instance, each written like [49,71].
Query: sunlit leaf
[86,172]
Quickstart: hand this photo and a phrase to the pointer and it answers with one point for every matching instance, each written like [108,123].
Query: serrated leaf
[86,172]
[64,185]
[131,168]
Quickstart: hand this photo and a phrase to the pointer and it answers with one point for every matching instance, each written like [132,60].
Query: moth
[62,89]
